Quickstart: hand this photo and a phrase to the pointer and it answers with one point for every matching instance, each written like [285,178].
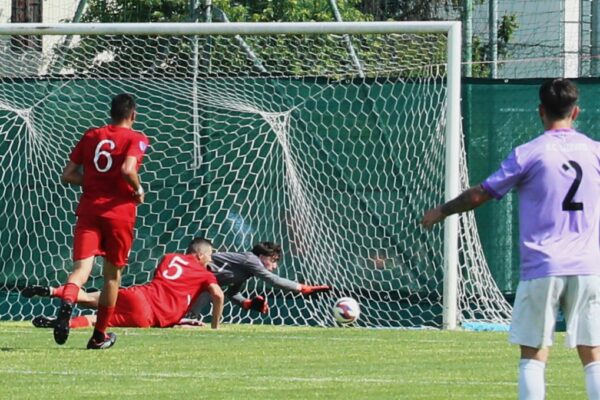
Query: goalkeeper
[232,270]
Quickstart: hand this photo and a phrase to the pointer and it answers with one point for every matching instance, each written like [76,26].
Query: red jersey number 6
[105,154]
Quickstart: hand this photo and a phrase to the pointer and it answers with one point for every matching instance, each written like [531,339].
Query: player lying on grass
[178,280]
[234,269]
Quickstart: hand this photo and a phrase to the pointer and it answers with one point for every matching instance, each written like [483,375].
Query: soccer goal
[329,138]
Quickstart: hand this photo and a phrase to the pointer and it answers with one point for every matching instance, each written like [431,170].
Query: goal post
[452,178]
[276,136]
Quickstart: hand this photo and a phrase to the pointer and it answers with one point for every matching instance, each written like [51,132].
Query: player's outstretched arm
[274,280]
[260,272]
[467,200]
[71,174]
[308,290]
[217,298]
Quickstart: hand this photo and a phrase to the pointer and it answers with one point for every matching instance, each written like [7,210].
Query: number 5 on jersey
[175,268]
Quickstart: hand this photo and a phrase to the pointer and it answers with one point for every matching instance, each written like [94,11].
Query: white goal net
[332,145]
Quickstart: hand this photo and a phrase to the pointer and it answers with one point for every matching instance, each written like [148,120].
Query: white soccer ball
[346,310]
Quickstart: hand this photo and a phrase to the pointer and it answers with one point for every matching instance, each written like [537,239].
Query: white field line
[209,375]
[184,375]
[269,336]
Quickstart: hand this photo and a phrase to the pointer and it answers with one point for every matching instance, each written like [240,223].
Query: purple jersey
[557,177]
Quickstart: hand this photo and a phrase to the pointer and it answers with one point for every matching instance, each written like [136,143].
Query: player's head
[268,253]
[202,249]
[558,100]
[122,108]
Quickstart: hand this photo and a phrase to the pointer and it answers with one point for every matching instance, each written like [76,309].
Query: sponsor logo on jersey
[212,267]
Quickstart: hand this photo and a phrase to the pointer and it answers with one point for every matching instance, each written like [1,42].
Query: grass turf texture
[264,362]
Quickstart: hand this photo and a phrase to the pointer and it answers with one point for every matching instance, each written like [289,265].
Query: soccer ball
[346,310]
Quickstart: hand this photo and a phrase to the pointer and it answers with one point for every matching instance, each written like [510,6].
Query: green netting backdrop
[180,195]
[497,115]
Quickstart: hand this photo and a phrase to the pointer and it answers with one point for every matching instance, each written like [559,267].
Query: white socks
[532,385]
[592,380]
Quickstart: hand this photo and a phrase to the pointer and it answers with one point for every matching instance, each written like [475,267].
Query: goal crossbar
[232,28]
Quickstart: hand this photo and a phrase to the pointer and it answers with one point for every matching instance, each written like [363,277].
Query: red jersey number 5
[103,154]
[175,268]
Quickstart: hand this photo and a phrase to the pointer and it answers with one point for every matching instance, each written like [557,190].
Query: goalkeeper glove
[257,303]
[306,289]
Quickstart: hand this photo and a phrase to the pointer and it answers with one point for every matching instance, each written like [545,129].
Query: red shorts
[98,236]
[132,310]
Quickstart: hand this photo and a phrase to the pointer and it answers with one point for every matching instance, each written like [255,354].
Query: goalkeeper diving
[233,270]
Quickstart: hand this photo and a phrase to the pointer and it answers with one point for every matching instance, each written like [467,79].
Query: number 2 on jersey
[568,204]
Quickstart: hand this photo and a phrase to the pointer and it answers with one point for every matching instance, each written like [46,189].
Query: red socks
[79,322]
[104,316]
[69,293]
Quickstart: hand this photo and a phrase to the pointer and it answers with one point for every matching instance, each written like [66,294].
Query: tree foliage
[173,56]
[137,11]
[482,48]
[291,10]
[412,10]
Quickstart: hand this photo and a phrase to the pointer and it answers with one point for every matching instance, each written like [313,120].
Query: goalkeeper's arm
[257,303]
[234,294]
[307,289]
[285,284]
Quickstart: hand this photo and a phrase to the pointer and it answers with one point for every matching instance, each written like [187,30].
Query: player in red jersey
[178,281]
[105,163]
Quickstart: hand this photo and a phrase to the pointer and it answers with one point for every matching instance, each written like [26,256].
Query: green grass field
[264,362]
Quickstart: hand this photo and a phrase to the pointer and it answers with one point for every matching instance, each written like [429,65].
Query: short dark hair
[121,107]
[558,96]
[196,244]
[267,249]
